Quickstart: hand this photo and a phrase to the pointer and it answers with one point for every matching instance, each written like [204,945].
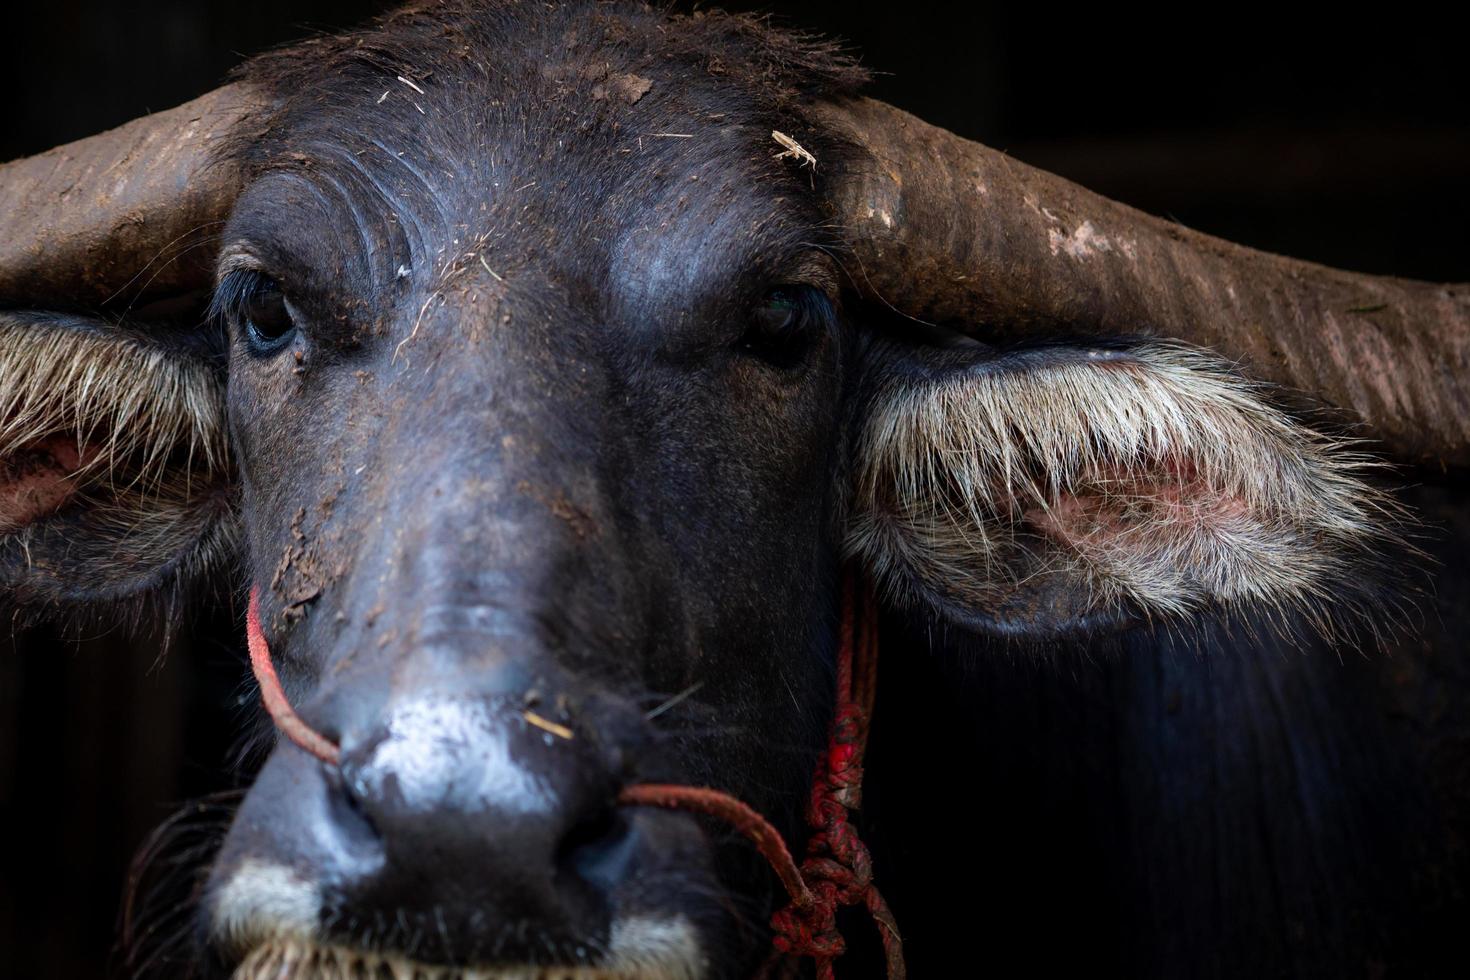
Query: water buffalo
[541,366]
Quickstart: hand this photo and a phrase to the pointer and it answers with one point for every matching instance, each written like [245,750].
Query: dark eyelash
[814,304]
[234,291]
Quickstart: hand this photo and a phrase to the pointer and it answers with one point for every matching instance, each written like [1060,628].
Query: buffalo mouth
[297,960]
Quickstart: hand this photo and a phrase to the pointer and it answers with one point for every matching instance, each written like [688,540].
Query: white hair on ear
[1153,478]
[131,400]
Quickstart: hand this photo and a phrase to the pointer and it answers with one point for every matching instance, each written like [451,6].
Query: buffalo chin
[308,961]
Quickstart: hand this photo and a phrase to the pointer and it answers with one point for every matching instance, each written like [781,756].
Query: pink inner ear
[39,479]
[1146,510]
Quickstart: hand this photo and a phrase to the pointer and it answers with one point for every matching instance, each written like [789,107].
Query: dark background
[1342,138]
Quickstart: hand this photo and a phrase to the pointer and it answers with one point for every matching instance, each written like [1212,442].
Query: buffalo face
[536,410]
[555,360]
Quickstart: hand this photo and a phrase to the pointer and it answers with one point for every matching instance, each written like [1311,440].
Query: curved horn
[949,230]
[118,212]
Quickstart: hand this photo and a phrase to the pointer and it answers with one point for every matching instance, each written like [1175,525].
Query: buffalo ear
[114,474]
[1068,490]
[114,470]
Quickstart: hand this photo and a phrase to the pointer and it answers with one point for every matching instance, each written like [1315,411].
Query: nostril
[597,851]
[345,809]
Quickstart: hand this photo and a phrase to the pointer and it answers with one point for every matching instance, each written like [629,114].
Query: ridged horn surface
[947,230]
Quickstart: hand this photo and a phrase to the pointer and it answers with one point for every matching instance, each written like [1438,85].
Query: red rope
[837,870]
[739,816]
[274,698]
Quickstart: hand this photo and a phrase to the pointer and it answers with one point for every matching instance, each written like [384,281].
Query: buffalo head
[541,364]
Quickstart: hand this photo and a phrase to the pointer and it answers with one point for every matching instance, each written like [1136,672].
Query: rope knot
[844,776]
[838,870]
[810,932]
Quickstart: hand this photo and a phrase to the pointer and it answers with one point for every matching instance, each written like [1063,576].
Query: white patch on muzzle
[269,912]
[656,947]
[424,755]
[262,902]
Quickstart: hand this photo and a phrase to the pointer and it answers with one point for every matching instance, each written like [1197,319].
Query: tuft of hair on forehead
[133,406]
[441,38]
[1150,483]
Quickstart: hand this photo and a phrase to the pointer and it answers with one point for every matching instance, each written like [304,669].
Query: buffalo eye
[785,325]
[255,306]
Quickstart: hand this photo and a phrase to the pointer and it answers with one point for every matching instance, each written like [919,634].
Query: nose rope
[837,870]
[273,696]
